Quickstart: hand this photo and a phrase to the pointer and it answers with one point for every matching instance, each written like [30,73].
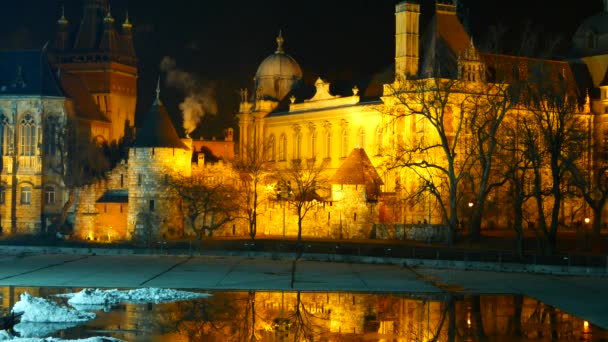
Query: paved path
[584,297]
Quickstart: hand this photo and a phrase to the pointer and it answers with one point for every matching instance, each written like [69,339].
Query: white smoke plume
[200,99]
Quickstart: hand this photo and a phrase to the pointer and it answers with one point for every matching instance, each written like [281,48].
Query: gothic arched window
[5,140]
[361,138]
[313,144]
[28,136]
[379,140]
[297,147]
[328,145]
[272,148]
[344,152]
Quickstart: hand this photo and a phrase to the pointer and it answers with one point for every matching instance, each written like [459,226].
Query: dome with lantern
[277,74]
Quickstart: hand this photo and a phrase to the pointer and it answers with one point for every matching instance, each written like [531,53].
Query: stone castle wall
[153,209]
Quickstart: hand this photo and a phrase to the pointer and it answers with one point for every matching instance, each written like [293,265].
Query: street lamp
[587,220]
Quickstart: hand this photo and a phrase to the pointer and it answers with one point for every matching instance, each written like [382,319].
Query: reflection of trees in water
[313,316]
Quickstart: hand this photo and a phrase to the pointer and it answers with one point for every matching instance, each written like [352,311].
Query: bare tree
[252,167]
[307,181]
[486,111]
[76,158]
[439,106]
[206,206]
[552,106]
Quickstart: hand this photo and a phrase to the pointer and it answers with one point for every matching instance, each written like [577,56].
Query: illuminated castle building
[88,77]
[91,76]
[328,124]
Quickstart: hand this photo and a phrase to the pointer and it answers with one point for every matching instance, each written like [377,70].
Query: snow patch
[97,297]
[42,310]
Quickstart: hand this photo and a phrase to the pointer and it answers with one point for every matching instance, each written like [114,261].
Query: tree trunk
[476,313]
[65,209]
[597,219]
[519,303]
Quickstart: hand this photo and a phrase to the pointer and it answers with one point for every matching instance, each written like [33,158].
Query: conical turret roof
[357,169]
[158,130]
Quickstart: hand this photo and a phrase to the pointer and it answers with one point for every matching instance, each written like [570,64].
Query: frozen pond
[161,315]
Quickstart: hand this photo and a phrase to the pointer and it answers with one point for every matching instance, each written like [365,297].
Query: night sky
[221,43]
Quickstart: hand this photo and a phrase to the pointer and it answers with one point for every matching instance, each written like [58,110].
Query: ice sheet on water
[42,310]
[144,295]
[4,336]
[30,329]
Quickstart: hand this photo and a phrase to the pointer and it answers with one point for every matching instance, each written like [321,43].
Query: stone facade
[153,209]
[31,192]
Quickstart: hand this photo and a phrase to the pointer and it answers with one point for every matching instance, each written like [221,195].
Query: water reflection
[329,316]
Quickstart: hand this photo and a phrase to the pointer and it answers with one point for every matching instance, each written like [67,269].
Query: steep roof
[357,169]
[86,109]
[27,73]
[443,40]
[158,130]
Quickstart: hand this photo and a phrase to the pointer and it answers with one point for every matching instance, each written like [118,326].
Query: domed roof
[279,64]
[597,24]
[591,37]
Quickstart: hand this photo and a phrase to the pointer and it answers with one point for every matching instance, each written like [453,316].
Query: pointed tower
[109,40]
[127,37]
[91,27]
[105,61]
[157,154]
[407,38]
[63,35]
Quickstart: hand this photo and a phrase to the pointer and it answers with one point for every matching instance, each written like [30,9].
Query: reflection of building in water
[293,316]
[329,316]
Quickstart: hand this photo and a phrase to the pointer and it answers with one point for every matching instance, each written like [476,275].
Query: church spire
[280,42]
[157,100]
[61,39]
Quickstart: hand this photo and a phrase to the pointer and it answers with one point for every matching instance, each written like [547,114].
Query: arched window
[282,148]
[28,136]
[297,147]
[26,195]
[6,139]
[313,144]
[361,137]
[344,152]
[50,136]
[49,195]
[328,145]
[272,148]
[2,194]
[379,140]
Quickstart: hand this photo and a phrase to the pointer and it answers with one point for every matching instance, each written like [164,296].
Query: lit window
[282,149]
[49,195]
[344,153]
[28,136]
[297,146]
[328,145]
[362,138]
[26,195]
[379,140]
[313,144]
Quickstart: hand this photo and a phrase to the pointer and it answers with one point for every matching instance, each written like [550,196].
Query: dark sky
[223,42]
